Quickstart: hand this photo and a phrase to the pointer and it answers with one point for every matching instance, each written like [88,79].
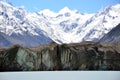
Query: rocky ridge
[50,57]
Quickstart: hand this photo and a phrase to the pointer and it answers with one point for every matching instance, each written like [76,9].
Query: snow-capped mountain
[19,26]
[17,29]
[70,26]
[59,26]
[112,36]
[100,24]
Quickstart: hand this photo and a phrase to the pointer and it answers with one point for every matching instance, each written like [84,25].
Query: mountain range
[18,26]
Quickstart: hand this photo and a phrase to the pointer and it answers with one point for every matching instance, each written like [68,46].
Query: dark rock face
[112,36]
[24,40]
[76,56]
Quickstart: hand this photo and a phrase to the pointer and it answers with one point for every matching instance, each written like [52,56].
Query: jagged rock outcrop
[75,56]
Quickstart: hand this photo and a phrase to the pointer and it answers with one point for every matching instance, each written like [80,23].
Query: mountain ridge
[112,36]
[63,27]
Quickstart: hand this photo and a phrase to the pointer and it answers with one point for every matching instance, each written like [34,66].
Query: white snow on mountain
[100,24]
[61,25]
[16,29]
[65,26]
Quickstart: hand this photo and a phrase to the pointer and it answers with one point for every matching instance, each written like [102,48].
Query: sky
[83,6]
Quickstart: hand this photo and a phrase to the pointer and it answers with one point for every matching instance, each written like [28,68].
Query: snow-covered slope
[100,24]
[14,24]
[59,26]
[65,26]
[112,36]
[70,26]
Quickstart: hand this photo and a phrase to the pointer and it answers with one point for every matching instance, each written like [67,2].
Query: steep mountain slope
[113,35]
[15,26]
[59,26]
[3,40]
[69,26]
[100,24]
[66,26]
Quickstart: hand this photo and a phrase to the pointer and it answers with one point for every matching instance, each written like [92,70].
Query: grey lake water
[61,75]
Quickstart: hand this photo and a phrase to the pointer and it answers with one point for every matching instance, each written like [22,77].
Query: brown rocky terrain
[74,56]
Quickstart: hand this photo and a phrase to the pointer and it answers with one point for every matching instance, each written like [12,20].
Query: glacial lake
[61,75]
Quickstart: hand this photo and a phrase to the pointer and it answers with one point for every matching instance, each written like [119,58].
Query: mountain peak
[117,6]
[109,7]
[3,3]
[64,10]
[47,12]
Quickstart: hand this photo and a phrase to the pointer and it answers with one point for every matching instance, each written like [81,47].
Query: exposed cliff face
[79,56]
